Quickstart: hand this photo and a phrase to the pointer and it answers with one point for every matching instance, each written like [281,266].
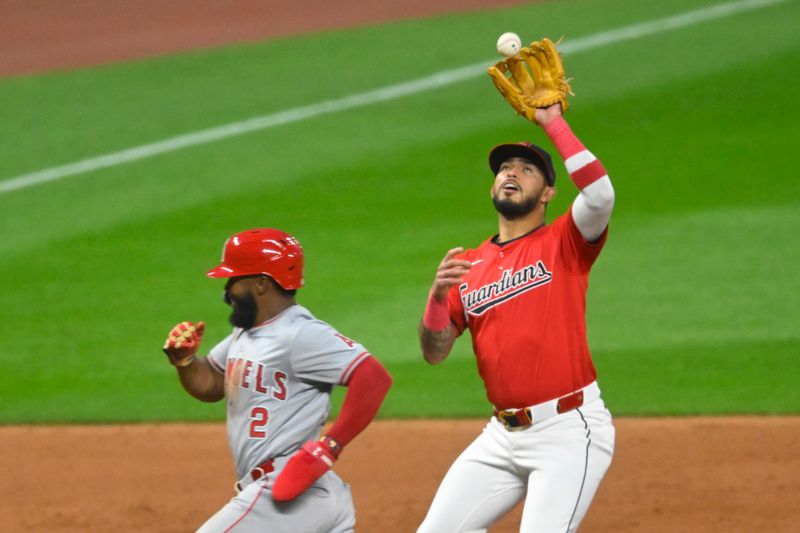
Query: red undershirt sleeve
[583,167]
[366,389]
[592,208]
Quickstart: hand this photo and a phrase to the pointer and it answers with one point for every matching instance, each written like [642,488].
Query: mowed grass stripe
[383,94]
[377,198]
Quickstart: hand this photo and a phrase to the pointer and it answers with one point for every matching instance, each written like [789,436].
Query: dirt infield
[41,35]
[668,475]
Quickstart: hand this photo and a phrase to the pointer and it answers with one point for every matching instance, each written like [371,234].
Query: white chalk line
[391,92]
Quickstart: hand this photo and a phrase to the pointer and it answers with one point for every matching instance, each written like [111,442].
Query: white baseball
[509,44]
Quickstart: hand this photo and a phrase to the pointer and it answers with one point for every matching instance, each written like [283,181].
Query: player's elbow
[607,198]
[382,380]
[434,357]
[599,196]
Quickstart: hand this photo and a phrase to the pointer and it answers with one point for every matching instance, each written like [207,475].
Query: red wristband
[437,314]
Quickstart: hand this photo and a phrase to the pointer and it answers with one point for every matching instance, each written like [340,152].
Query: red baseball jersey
[524,302]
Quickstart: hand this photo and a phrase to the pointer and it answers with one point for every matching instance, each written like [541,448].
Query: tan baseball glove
[533,77]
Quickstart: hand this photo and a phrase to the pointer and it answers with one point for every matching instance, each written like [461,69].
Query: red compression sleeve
[437,314]
[366,389]
[583,167]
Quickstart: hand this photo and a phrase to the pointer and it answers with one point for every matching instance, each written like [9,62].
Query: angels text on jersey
[255,376]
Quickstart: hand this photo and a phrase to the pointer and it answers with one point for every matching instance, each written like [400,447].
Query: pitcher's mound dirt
[668,475]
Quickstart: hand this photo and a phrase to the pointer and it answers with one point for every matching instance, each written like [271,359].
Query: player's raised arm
[436,333]
[197,376]
[591,210]
[539,93]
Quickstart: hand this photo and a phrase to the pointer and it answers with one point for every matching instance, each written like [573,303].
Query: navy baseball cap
[535,154]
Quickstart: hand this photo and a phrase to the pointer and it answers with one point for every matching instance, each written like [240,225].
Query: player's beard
[245,311]
[512,210]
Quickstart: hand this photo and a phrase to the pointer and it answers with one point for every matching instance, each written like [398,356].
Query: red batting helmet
[262,251]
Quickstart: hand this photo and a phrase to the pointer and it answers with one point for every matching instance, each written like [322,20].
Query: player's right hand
[305,467]
[450,273]
[183,342]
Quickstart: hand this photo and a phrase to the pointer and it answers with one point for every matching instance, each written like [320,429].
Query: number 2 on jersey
[259,416]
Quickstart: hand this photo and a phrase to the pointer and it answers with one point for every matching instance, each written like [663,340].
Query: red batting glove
[304,468]
[183,342]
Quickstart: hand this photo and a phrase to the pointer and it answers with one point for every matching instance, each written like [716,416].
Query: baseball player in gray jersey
[276,371]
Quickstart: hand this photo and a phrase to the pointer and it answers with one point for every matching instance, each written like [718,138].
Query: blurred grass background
[693,305]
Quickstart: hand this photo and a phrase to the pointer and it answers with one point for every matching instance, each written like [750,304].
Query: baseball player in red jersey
[276,371]
[522,295]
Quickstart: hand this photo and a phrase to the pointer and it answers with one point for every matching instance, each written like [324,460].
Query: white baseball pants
[326,507]
[556,465]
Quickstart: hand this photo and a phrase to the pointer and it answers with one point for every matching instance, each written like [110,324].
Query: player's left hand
[531,79]
[304,468]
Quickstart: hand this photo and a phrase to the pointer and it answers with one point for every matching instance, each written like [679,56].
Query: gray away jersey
[278,379]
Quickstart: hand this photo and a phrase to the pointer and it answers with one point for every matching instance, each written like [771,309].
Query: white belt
[516,419]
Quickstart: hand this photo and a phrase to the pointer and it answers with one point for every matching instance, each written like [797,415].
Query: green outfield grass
[693,304]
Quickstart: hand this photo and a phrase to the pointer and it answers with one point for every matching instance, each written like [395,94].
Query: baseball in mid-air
[509,44]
